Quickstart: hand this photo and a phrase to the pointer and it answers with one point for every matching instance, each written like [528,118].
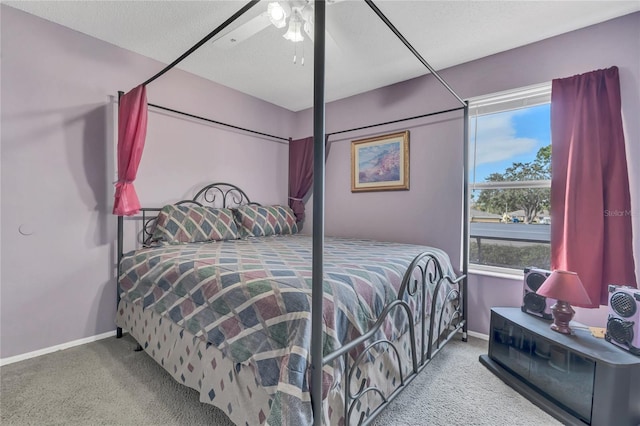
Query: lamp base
[562,314]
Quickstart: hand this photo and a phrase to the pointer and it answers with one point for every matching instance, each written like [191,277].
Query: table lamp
[567,289]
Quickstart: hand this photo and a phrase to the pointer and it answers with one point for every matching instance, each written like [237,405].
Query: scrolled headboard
[219,194]
[222,194]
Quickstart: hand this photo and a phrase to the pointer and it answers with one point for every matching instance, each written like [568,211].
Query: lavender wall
[57,153]
[57,170]
[429,212]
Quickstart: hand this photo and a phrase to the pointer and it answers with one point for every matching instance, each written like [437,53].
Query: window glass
[510,179]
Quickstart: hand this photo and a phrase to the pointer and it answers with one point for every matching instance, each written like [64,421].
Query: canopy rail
[204,40]
[244,129]
[395,121]
[209,120]
[413,50]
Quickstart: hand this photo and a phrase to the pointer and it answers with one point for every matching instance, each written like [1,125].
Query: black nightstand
[578,379]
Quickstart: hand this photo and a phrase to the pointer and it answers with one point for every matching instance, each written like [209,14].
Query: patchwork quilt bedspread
[251,298]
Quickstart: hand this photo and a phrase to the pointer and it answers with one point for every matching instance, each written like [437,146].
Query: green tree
[531,200]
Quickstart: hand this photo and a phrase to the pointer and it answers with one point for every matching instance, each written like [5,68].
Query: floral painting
[380,163]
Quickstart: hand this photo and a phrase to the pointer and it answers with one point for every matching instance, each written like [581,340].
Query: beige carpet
[107,383]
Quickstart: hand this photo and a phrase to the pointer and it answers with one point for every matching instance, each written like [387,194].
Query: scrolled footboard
[438,296]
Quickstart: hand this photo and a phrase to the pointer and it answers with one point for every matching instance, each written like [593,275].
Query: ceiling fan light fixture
[294,32]
[277,14]
[307,17]
[308,28]
[307,13]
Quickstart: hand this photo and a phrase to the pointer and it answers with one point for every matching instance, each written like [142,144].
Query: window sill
[494,271]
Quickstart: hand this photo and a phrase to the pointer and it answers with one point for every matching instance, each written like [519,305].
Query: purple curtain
[300,174]
[590,200]
[132,130]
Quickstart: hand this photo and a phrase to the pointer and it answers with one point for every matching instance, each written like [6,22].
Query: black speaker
[533,303]
[623,324]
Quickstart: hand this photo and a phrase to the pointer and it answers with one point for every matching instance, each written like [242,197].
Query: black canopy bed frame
[430,269]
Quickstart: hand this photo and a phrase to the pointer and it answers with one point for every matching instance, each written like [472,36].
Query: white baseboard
[478,335]
[16,358]
[28,355]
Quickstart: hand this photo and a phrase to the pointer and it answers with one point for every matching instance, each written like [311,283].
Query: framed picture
[380,163]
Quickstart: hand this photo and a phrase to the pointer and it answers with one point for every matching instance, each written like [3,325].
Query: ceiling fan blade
[237,35]
[331,44]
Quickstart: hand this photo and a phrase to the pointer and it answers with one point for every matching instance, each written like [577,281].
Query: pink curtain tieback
[132,129]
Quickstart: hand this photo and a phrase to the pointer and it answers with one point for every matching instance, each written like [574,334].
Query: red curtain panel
[300,174]
[590,200]
[132,130]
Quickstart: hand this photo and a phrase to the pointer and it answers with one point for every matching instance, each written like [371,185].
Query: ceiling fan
[298,14]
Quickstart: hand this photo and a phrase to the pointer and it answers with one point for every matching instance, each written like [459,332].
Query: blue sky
[507,137]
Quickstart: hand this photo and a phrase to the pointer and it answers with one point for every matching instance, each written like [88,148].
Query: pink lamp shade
[567,289]
[565,286]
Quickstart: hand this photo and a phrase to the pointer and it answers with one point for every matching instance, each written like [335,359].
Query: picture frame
[380,163]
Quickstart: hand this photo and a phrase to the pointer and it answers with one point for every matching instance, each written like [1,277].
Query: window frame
[498,102]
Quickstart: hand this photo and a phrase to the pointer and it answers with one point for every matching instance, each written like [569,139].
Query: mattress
[235,315]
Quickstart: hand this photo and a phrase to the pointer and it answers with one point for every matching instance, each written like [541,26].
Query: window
[510,179]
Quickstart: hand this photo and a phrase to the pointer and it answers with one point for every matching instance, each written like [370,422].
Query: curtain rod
[412,49]
[175,111]
[396,121]
[204,40]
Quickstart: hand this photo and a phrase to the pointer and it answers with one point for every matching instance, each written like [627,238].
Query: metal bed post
[318,211]
[465,190]
[465,220]
[120,244]
[209,36]
[120,237]
[317,362]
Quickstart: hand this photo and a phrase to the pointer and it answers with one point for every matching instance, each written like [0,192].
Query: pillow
[262,221]
[192,224]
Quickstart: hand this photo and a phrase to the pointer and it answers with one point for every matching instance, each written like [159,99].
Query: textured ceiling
[362,54]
